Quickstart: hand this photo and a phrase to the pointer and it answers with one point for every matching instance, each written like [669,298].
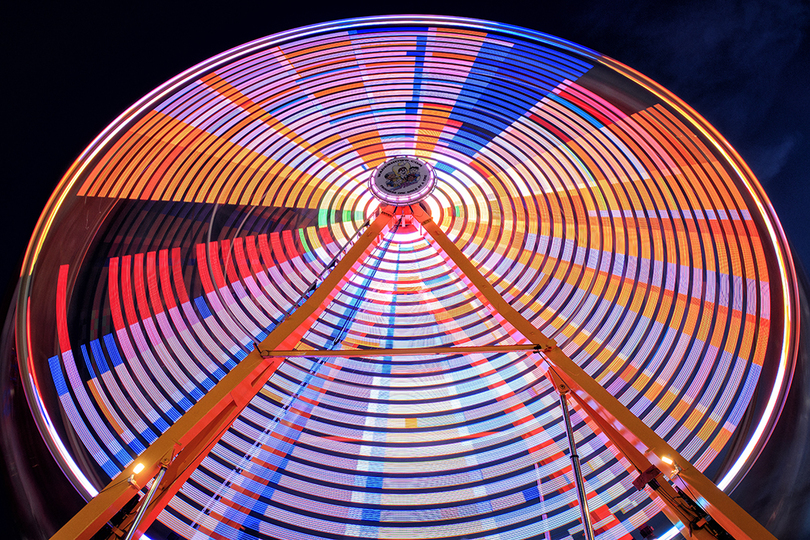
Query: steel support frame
[182,447]
[582,493]
[639,443]
[416,351]
[186,443]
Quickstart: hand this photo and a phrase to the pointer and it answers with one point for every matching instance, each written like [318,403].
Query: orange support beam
[661,487]
[186,443]
[638,438]
[189,440]
[417,351]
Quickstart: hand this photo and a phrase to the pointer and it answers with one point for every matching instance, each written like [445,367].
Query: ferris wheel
[406,277]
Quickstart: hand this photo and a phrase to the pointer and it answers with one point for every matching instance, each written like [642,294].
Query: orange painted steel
[185,444]
[417,351]
[661,487]
[630,431]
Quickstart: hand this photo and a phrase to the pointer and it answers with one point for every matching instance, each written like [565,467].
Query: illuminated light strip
[87,156]
[492,201]
[213,347]
[108,410]
[267,286]
[134,360]
[121,367]
[668,292]
[64,456]
[153,338]
[253,509]
[718,327]
[66,354]
[166,182]
[540,429]
[248,279]
[231,335]
[170,319]
[784,260]
[449,322]
[278,265]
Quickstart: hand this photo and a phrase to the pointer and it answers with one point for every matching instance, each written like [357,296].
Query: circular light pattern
[402,181]
[600,206]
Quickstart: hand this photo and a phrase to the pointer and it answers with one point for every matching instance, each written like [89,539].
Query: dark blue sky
[69,71]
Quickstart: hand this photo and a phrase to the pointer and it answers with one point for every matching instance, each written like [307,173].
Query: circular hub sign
[402,180]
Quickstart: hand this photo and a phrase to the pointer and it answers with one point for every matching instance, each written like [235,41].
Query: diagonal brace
[643,440]
[183,446]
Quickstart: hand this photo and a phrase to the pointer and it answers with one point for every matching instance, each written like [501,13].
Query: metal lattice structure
[588,235]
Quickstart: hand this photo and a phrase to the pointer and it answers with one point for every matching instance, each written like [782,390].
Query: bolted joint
[556,381]
[647,478]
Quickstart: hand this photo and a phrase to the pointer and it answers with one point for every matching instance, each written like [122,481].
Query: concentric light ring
[604,209]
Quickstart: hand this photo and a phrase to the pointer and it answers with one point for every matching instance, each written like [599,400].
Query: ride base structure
[168,462]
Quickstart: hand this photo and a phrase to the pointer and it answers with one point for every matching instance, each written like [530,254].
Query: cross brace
[415,351]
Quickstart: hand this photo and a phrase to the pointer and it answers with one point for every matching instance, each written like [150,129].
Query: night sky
[69,71]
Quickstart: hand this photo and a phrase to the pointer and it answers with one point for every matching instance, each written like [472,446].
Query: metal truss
[171,459]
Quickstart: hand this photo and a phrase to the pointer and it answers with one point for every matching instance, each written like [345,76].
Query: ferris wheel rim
[787,274]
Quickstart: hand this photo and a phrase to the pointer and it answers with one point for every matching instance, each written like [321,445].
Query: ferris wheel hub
[402,180]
